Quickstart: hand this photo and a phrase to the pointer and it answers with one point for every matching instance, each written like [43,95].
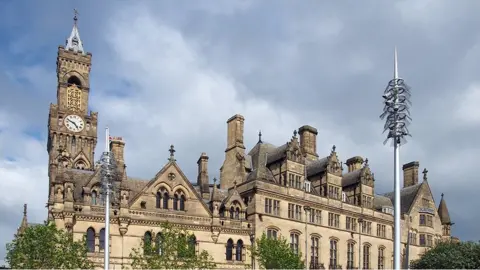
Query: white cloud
[467,109]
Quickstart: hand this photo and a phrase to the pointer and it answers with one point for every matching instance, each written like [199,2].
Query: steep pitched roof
[315,167]
[380,201]
[407,197]
[74,42]
[443,212]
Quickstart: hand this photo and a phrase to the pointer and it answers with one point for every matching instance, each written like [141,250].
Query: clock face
[74,123]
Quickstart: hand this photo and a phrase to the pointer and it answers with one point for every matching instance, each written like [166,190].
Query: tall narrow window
[239,251]
[175,202]
[333,254]
[102,239]
[166,197]
[192,245]
[94,197]
[315,251]
[158,203]
[159,243]
[91,239]
[381,258]
[237,213]
[366,256]
[182,202]
[229,250]
[294,242]
[350,255]
[147,242]
[232,212]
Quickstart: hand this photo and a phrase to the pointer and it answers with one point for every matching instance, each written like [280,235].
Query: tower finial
[260,136]
[395,64]
[75,14]
[25,210]
[172,153]
[442,195]
[74,42]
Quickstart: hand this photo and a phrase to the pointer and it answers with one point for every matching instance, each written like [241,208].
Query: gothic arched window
[229,250]
[91,239]
[102,239]
[239,251]
[192,245]
[74,80]
[94,197]
[158,202]
[333,253]
[159,243]
[237,213]
[232,212]
[366,256]
[315,248]
[350,255]
[175,202]
[182,202]
[381,258]
[166,197]
[147,242]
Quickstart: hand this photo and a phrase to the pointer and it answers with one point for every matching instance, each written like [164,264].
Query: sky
[172,72]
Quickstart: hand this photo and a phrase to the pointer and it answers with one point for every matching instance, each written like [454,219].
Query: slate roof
[351,178]
[315,167]
[380,201]
[407,197]
[443,212]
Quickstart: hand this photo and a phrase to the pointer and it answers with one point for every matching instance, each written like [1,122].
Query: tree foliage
[172,248]
[275,253]
[450,255]
[46,246]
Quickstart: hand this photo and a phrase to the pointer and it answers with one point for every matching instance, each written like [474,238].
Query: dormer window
[387,210]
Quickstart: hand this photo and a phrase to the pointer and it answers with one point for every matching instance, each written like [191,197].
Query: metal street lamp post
[108,172]
[397,117]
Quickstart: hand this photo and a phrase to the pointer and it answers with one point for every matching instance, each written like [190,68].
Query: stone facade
[330,214]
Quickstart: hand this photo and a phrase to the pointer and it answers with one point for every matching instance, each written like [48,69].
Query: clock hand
[72,123]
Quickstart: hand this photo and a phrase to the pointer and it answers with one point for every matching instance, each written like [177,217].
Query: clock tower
[72,129]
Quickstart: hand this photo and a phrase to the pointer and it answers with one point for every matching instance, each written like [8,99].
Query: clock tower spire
[72,129]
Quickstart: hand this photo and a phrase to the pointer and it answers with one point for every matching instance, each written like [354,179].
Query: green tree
[46,246]
[275,253]
[172,248]
[450,255]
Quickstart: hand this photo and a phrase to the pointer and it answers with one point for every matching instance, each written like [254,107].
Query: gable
[172,180]
[425,203]
[233,200]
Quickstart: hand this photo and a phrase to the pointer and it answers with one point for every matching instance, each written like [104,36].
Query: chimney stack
[202,178]
[354,163]
[308,141]
[235,132]
[117,147]
[234,154]
[410,173]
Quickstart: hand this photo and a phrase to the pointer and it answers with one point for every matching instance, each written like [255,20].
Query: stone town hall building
[329,212]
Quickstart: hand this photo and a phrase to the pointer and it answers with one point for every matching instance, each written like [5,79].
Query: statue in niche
[59,194]
[69,193]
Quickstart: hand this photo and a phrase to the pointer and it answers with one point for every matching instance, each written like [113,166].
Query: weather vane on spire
[75,14]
